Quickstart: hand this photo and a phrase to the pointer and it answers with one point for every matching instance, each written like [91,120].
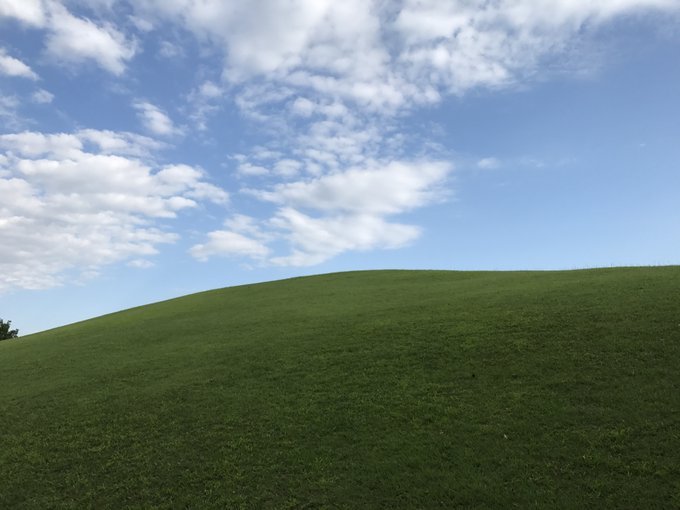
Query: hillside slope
[383,389]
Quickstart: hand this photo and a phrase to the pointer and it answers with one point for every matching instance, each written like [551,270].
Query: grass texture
[378,389]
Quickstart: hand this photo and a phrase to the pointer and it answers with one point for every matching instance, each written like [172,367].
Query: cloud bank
[326,84]
[78,201]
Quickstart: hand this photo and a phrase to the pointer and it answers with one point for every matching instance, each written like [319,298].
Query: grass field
[382,389]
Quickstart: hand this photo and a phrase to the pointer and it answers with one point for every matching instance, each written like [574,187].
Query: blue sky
[154,148]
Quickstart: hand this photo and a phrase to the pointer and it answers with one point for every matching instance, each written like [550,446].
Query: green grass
[384,389]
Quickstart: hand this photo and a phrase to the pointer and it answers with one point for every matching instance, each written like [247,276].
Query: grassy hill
[382,389]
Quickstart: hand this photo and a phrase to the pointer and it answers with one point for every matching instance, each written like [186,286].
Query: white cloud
[352,208]
[315,240]
[242,237]
[42,96]
[245,225]
[35,145]
[303,107]
[31,12]
[9,114]
[256,36]
[225,243]
[120,142]
[82,200]
[210,90]
[249,169]
[154,119]
[328,81]
[385,189]
[383,55]
[76,40]
[349,211]
[287,167]
[462,45]
[389,55]
[205,191]
[324,146]
[340,42]
[73,39]
[11,66]
[488,163]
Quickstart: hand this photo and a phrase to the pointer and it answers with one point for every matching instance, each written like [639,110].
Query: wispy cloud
[42,96]
[488,163]
[9,105]
[203,102]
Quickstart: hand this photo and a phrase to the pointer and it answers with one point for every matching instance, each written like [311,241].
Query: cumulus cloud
[225,242]
[258,40]
[349,210]
[302,107]
[11,66]
[315,240]
[386,189]
[30,12]
[154,119]
[241,237]
[73,39]
[78,201]
[322,44]
[323,217]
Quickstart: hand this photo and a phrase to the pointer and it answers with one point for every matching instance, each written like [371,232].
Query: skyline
[158,148]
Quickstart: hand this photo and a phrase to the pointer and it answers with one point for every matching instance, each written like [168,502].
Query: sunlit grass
[386,389]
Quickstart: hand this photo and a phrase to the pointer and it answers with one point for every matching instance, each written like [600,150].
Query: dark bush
[5,332]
